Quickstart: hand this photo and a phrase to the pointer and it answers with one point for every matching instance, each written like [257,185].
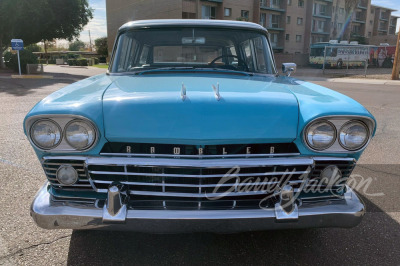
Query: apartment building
[293,24]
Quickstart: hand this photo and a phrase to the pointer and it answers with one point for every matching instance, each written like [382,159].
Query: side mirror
[289,68]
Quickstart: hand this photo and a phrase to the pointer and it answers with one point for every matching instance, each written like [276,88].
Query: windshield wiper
[203,69]
[162,69]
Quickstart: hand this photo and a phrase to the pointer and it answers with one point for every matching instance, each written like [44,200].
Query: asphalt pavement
[375,240]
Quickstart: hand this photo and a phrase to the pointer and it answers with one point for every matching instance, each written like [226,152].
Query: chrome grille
[186,183]
[51,166]
[196,179]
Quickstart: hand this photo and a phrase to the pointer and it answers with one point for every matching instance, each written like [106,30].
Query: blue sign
[17,44]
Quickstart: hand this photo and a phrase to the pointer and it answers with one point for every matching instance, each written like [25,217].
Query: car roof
[162,23]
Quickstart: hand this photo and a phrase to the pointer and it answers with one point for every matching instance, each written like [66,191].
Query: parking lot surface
[375,240]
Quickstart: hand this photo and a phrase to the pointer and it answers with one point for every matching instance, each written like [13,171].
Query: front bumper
[346,212]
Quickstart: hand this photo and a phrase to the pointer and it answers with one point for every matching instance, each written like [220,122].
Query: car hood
[150,109]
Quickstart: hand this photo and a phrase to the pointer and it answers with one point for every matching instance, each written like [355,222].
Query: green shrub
[81,62]
[26,57]
[72,62]
[42,61]
[96,60]
[103,59]
[52,61]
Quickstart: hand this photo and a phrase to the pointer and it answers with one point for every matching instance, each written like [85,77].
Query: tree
[76,45]
[349,6]
[101,46]
[42,20]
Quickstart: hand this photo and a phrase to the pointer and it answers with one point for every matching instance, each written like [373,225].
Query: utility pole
[396,63]
[90,42]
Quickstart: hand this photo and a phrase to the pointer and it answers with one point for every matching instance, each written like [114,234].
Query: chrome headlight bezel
[346,125]
[339,121]
[34,142]
[61,120]
[321,121]
[89,124]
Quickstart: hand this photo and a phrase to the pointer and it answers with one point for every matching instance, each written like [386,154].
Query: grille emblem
[177,150]
[128,149]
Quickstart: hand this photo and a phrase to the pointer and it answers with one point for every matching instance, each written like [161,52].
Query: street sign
[17,44]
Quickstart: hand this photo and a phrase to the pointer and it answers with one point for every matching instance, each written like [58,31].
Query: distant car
[192,129]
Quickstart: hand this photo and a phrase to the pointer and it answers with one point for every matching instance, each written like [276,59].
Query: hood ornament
[216,92]
[183,92]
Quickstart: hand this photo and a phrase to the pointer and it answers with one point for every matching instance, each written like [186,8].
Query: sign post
[18,45]
[396,63]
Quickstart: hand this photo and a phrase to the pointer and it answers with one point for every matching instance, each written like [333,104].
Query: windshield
[236,50]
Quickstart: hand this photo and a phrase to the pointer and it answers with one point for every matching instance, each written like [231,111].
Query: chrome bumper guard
[115,215]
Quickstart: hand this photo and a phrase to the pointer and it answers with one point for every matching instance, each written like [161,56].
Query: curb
[353,81]
[31,77]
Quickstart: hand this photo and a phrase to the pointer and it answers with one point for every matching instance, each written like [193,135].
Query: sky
[394,4]
[98,25]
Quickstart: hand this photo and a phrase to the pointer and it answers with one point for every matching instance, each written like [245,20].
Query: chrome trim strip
[193,186]
[195,195]
[212,163]
[201,156]
[193,176]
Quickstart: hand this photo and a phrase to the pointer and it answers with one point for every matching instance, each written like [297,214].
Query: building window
[356,29]
[275,3]
[274,23]
[370,22]
[227,12]
[369,34]
[341,11]
[287,37]
[298,38]
[372,11]
[245,14]
[188,15]
[340,26]
[288,20]
[319,9]
[299,21]
[301,3]
[274,39]
[318,26]
[289,2]
[263,19]
[208,12]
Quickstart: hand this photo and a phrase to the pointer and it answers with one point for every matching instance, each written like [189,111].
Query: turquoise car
[193,129]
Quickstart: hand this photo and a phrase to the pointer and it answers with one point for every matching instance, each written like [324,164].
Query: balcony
[319,32]
[359,20]
[322,16]
[272,8]
[274,27]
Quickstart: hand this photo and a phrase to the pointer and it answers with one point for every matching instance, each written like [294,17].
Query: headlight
[353,135]
[320,135]
[80,134]
[45,134]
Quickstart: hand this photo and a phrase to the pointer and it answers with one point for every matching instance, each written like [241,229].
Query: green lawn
[101,66]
